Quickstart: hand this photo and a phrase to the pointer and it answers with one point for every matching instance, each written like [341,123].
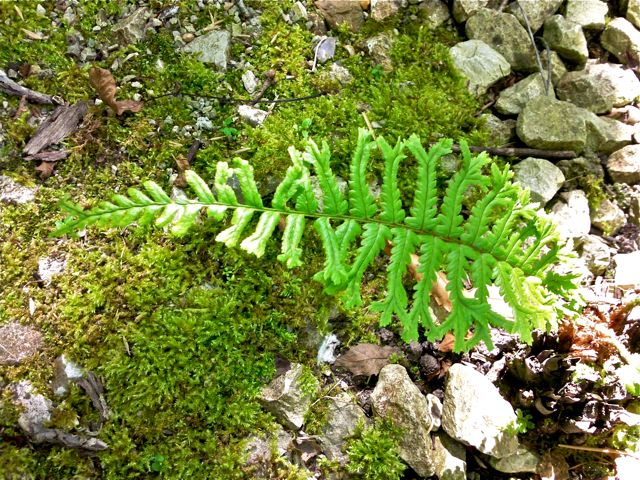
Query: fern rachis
[500,240]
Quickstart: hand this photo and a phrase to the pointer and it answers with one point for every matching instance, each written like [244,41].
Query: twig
[269,79]
[533,43]
[12,88]
[608,451]
[521,152]
[369,126]
[193,151]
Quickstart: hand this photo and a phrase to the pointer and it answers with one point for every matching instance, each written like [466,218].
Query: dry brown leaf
[446,345]
[366,359]
[440,292]
[183,166]
[105,85]
[45,169]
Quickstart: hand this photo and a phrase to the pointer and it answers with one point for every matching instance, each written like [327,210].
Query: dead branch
[12,88]
[522,152]
[60,437]
[63,121]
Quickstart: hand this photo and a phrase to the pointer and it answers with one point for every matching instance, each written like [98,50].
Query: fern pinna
[501,240]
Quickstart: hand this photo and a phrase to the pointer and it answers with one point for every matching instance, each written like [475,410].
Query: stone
[557,67]
[475,414]
[581,172]
[566,38]
[18,343]
[608,217]
[523,460]
[396,397]
[252,115]
[433,13]
[480,64]
[382,9]
[378,48]
[511,100]
[288,397]
[64,372]
[250,82]
[541,177]
[463,9]
[622,39]
[213,47]
[606,134]
[48,267]
[624,165]
[131,29]
[627,114]
[634,208]
[337,12]
[327,349]
[627,269]
[259,451]
[343,416]
[503,33]
[589,14]
[15,193]
[340,74]
[537,12]
[449,458]
[571,213]
[501,132]
[298,12]
[633,12]
[325,49]
[36,408]
[595,253]
[551,124]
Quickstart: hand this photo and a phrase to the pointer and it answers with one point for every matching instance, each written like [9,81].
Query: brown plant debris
[366,359]
[105,85]
[63,121]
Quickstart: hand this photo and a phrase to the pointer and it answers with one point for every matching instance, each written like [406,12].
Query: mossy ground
[184,333]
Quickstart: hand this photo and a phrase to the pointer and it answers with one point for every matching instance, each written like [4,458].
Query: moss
[373,453]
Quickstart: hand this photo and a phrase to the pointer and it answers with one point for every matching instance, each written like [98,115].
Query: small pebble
[188,37]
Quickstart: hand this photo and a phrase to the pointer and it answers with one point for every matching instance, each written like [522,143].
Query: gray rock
[571,213]
[13,192]
[523,461]
[558,70]
[566,38]
[378,48]
[327,349]
[131,29]
[395,397]
[64,372]
[337,12]
[540,176]
[595,253]
[36,408]
[449,458]
[501,132]
[551,124]
[633,12]
[480,64]
[213,47]
[254,116]
[537,12]
[340,74]
[590,14]
[503,33]
[622,39]
[513,99]
[298,12]
[289,396]
[250,82]
[325,49]
[343,416]
[624,165]
[259,451]
[581,172]
[475,414]
[17,343]
[606,134]
[382,9]
[608,217]
[434,13]
[48,267]
[463,9]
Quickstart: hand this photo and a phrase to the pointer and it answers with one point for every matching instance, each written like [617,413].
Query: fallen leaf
[366,359]
[45,169]
[105,85]
[183,166]
[446,345]
[33,35]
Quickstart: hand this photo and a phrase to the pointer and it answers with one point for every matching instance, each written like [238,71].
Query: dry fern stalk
[501,240]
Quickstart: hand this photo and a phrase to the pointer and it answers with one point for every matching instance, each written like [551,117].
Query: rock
[634,208]
[480,64]
[571,213]
[513,99]
[595,253]
[606,134]
[608,217]
[378,48]
[288,396]
[433,13]
[523,461]
[590,14]
[250,82]
[327,349]
[213,47]
[18,342]
[537,12]
[627,114]
[633,12]
[48,267]
[540,176]
[340,74]
[551,124]
[395,397]
[449,458]
[624,165]
[36,408]
[343,416]
[13,192]
[64,372]
[622,39]
[581,172]
[337,12]
[503,33]
[475,414]
[325,49]
[566,38]
[259,451]
[501,132]
[298,12]
[381,9]
[254,116]
[188,37]
[463,9]
[131,29]
[558,70]
[627,269]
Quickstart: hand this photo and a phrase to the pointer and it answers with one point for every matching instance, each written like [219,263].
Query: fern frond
[500,240]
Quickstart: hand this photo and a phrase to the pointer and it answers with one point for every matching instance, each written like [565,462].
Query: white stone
[571,213]
[540,176]
[480,64]
[253,115]
[624,165]
[608,217]
[36,408]
[327,349]
[590,14]
[627,269]
[213,47]
[13,192]
[48,267]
